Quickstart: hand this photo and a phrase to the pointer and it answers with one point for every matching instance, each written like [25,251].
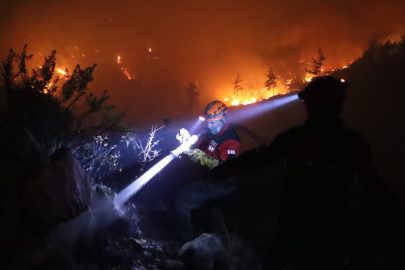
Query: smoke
[207,42]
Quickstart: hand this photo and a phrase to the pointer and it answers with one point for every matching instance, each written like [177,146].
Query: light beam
[252,111]
[133,188]
[196,125]
[139,183]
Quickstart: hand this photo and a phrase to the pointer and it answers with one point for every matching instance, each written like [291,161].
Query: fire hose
[186,142]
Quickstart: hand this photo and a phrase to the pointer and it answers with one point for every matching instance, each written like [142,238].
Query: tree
[148,152]
[271,80]
[193,96]
[371,53]
[317,64]
[58,117]
[236,86]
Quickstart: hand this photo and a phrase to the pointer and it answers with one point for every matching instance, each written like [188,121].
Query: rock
[202,252]
[44,202]
[63,241]
[239,249]
[238,255]
[172,265]
[209,252]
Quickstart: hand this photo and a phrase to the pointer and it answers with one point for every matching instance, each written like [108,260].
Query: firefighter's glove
[204,159]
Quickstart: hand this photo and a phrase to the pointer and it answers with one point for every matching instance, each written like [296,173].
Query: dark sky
[208,42]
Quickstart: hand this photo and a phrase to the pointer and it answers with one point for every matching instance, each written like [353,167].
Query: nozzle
[184,146]
[176,152]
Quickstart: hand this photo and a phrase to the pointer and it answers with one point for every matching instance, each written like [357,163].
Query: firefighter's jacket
[223,146]
[211,150]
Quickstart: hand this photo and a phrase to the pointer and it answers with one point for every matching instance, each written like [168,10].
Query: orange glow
[285,85]
[61,71]
[254,95]
[308,77]
[150,49]
[127,73]
[47,88]
[124,69]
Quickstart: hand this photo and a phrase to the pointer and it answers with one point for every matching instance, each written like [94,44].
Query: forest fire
[251,97]
[81,85]
[281,85]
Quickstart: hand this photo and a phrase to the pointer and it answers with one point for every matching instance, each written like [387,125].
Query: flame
[150,49]
[124,69]
[61,71]
[47,88]
[285,85]
[308,77]
[127,73]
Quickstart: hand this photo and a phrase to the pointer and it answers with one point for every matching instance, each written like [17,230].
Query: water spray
[138,184]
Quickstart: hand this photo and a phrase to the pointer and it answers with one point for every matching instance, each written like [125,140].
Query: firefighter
[216,145]
[322,156]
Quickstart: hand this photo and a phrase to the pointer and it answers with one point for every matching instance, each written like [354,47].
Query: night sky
[164,45]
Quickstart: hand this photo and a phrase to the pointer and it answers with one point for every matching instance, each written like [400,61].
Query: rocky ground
[52,218]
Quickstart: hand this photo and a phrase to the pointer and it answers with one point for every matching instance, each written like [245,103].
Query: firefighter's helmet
[325,87]
[216,110]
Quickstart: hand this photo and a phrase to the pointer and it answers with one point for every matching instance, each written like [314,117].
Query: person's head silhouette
[324,97]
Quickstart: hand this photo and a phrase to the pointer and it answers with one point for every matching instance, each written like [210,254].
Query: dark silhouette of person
[322,157]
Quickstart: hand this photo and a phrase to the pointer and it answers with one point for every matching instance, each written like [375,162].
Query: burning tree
[193,96]
[236,86]
[317,64]
[60,117]
[271,83]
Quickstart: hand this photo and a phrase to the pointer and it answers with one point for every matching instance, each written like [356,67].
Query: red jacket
[223,146]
